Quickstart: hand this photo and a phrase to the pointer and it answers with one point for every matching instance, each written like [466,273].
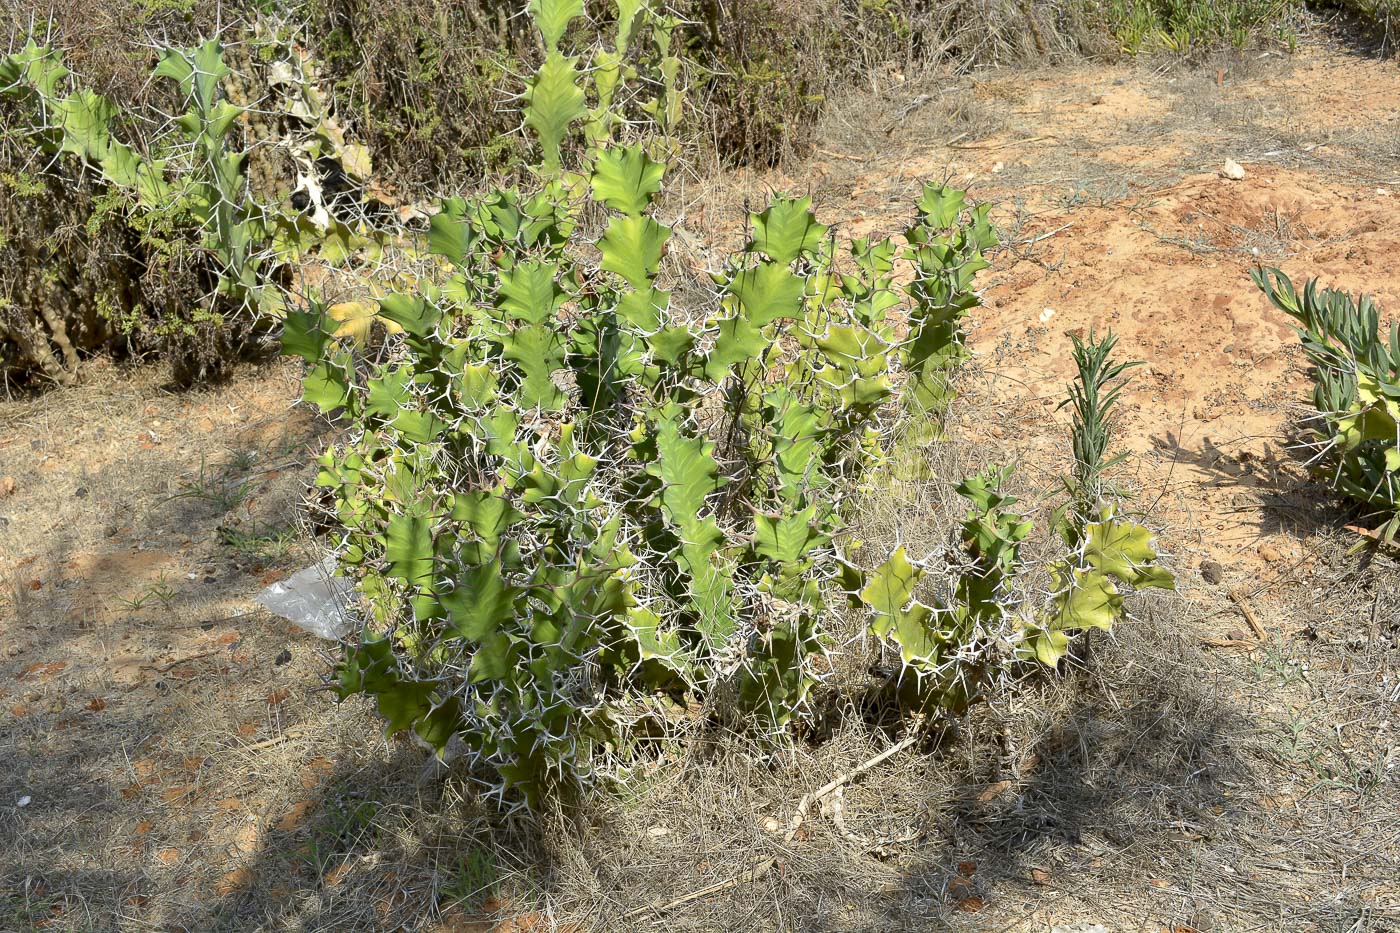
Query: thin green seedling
[163,591]
[272,545]
[220,489]
[1276,665]
[135,603]
[475,876]
[1092,398]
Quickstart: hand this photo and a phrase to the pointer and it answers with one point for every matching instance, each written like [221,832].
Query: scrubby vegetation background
[429,90]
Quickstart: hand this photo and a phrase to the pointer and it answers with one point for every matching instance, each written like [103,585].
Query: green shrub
[1191,25]
[181,234]
[1373,16]
[568,503]
[65,281]
[1356,376]
[426,84]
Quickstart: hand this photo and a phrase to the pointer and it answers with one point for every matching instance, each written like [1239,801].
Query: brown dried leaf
[315,771]
[993,791]
[237,880]
[296,815]
[336,874]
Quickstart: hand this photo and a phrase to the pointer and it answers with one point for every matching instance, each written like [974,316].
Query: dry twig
[753,874]
[1249,616]
[846,778]
[994,146]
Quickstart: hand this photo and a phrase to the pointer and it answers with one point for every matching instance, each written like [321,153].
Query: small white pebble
[1046,315]
[23,801]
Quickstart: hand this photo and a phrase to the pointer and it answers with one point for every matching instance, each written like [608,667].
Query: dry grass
[1157,780]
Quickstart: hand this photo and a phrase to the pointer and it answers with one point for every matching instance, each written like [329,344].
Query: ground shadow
[378,844]
[1288,499]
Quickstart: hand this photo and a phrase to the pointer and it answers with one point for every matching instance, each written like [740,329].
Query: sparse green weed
[472,880]
[273,544]
[1185,26]
[222,488]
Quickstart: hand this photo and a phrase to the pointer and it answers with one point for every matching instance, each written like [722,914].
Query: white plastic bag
[311,599]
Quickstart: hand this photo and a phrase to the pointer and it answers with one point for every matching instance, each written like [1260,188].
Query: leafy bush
[1356,376]
[423,84]
[64,277]
[1192,25]
[1375,16]
[184,232]
[426,84]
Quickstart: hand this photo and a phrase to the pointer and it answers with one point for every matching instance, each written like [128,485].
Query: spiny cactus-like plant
[594,90]
[948,651]
[1356,391]
[567,501]
[208,194]
[947,256]
[1106,556]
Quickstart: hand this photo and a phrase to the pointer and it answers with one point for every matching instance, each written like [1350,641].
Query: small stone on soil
[1232,170]
[1212,572]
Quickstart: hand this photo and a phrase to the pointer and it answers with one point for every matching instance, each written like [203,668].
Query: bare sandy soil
[169,762]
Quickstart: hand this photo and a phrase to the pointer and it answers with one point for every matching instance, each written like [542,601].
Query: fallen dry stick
[1046,236]
[907,109]
[169,665]
[1249,616]
[762,868]
[1230,643]
[753,874]
[846,778]
[292,733]
[841,155]
[992,146]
